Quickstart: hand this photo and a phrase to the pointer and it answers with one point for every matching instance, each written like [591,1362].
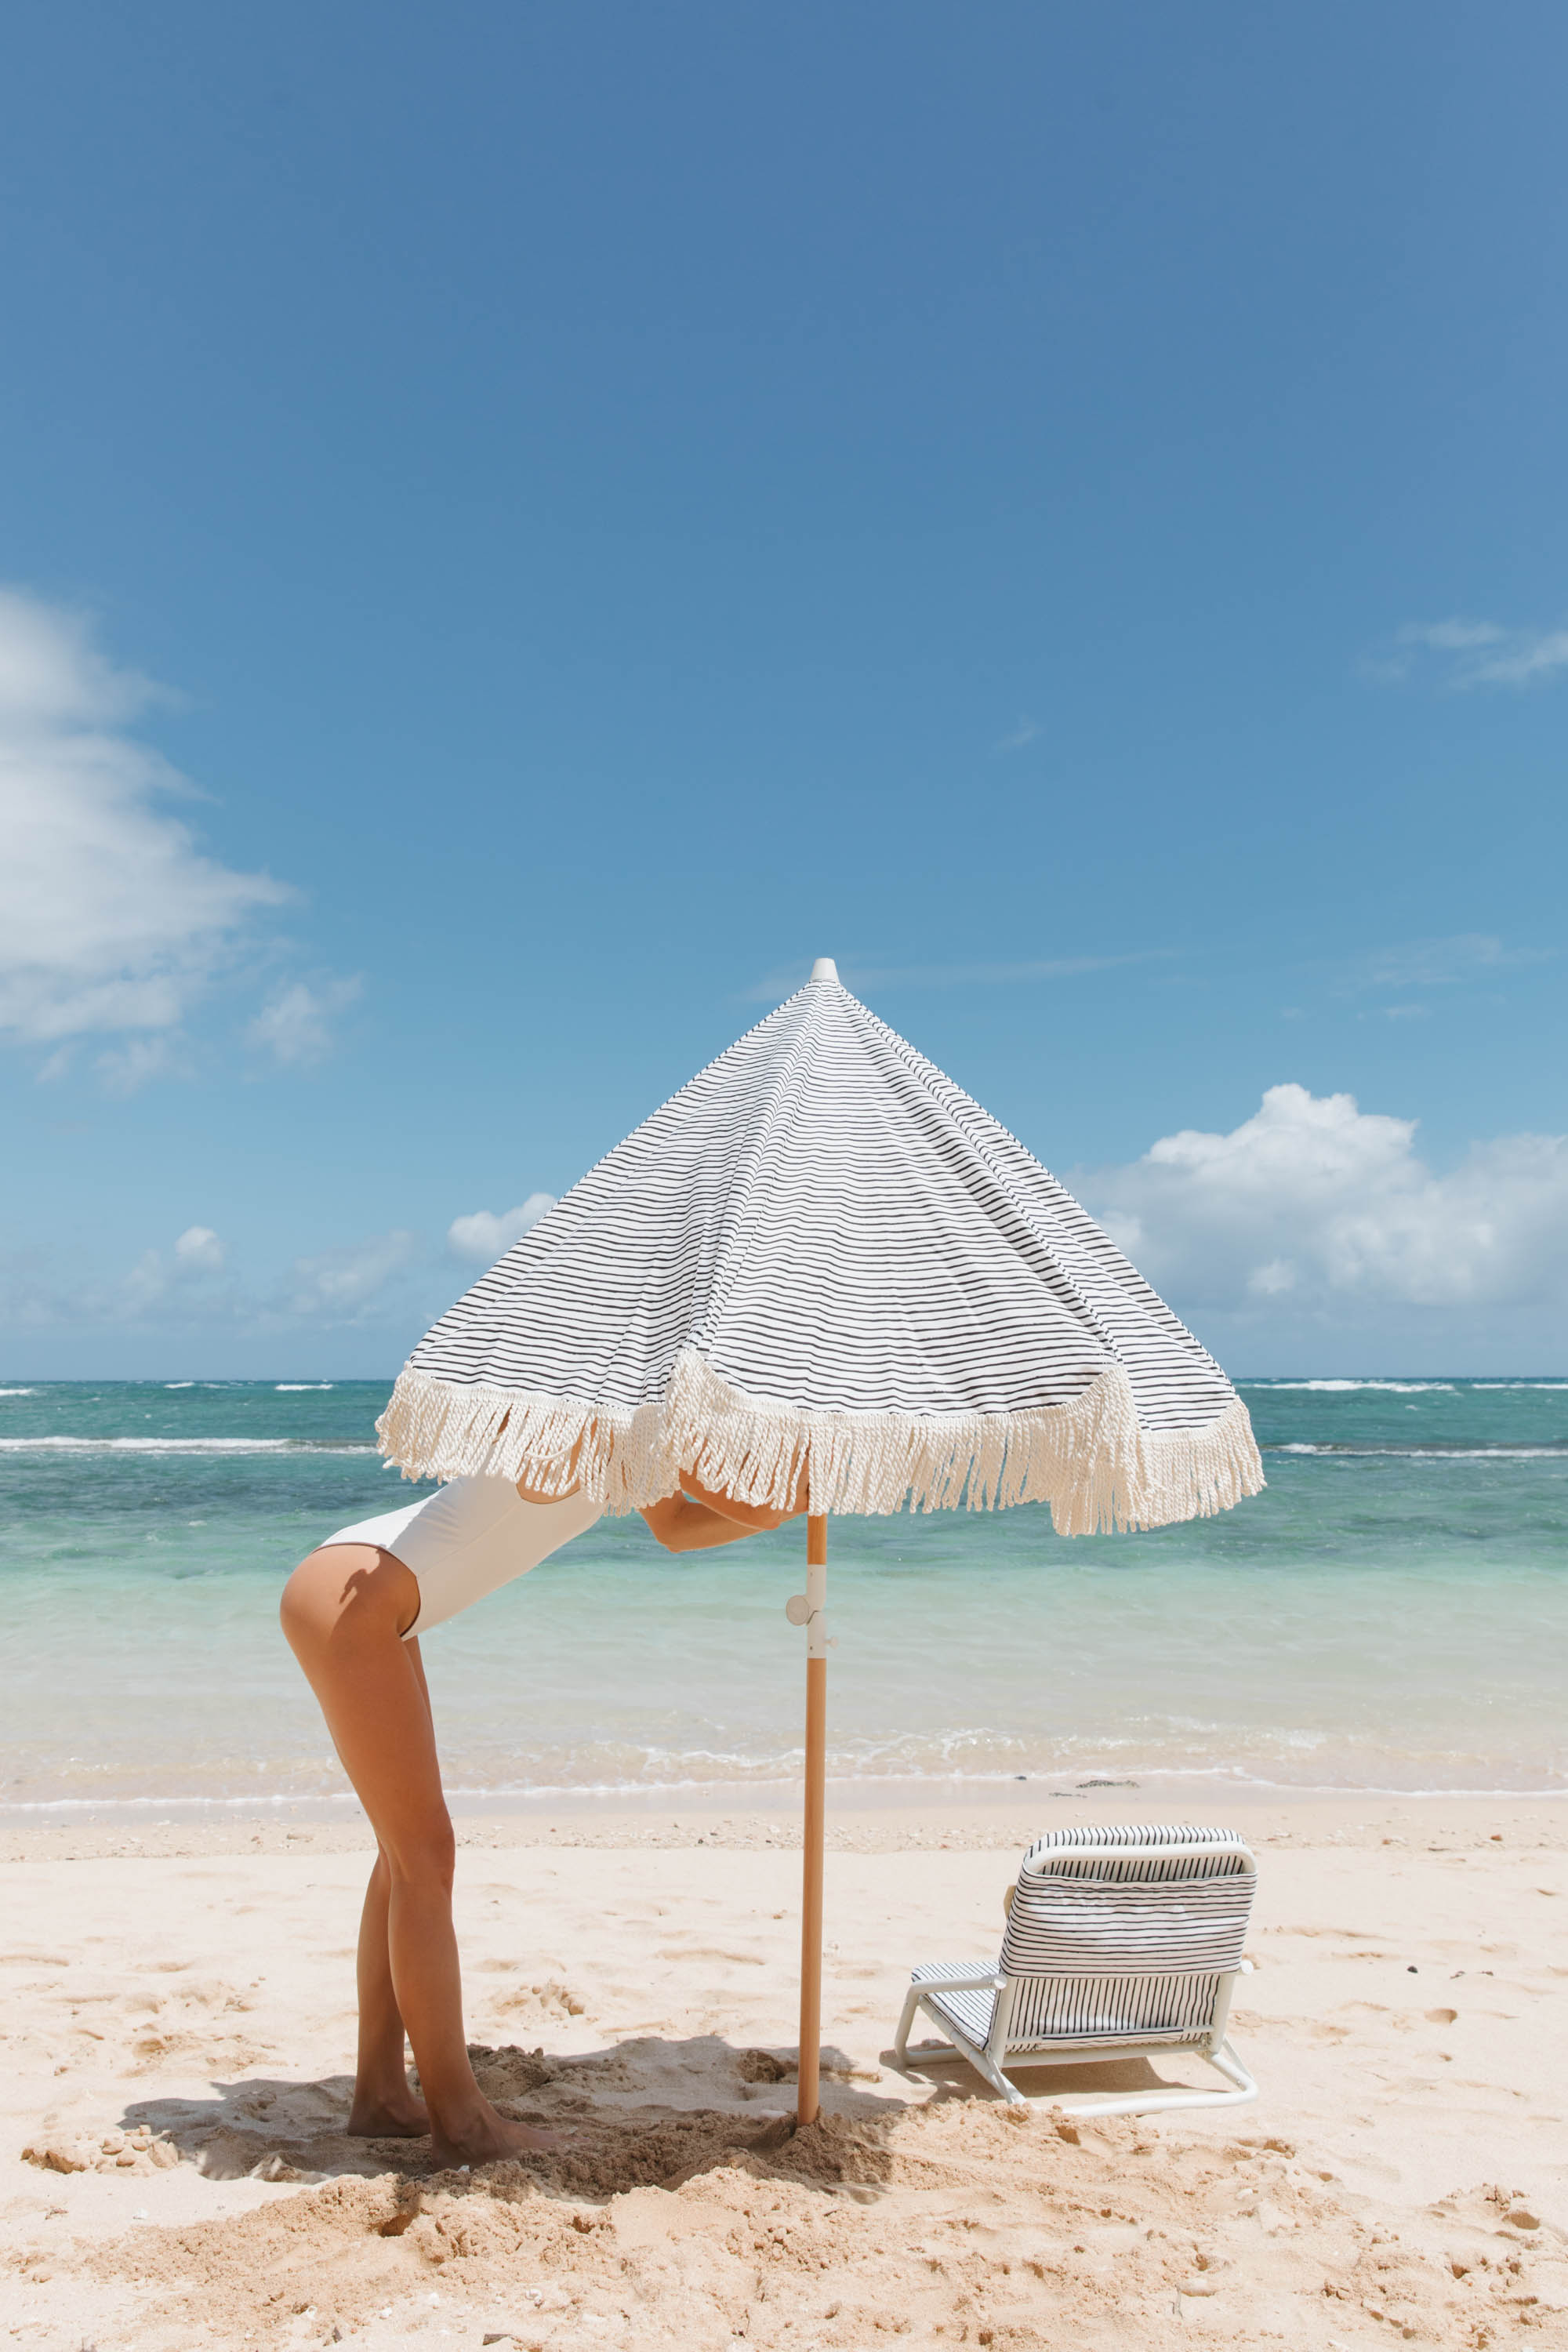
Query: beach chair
[1121,1942]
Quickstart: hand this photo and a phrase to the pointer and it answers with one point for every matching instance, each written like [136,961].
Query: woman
[351,1612]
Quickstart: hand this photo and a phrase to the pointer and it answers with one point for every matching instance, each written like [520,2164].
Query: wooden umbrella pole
[815,1812]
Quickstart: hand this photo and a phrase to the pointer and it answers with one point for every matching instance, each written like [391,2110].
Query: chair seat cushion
[967,2014]
[1050,2012]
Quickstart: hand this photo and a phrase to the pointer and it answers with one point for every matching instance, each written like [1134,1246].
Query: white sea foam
[1491,1385]
[1432,1453]
[179,1384]
[781,1790]
[18,1392]
[175,1445]
[298,1387]
[1341,1388]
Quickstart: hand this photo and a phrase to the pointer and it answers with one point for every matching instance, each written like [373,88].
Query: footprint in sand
[549,1999]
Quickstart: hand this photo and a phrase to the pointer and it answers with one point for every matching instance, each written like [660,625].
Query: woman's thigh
[344,1612]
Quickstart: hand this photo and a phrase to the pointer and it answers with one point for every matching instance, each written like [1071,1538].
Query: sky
[520,527]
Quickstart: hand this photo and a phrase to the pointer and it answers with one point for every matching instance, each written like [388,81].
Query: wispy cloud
[295,1025]
[185,1285]
[1461,654]
[126,1069]
[1023,731]
[1413,973]
[398,1281]
[1451,963]
[857,977]
[111,917]
[347,1285]
[1436,963]
[114,920]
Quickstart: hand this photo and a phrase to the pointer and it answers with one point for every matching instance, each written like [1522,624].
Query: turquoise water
[1392,1613]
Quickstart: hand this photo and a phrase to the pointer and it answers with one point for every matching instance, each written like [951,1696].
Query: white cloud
[1476,653]
[126,1069]
[183,1285]
[52,674]
[1314,1199]
[393,1283]
[199,1248]
[388,1278]
[295,1024]
[1269,1281]
[1451,637]
[483,1236]
[346,1284]
[1017,735]
[111,917]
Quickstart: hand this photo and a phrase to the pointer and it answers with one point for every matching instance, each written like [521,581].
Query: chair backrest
[1126,1929]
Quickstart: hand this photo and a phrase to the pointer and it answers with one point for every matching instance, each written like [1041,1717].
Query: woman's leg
[384,2105]
[344,1612]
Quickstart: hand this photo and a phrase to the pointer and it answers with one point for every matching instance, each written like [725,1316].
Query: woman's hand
[536,1494]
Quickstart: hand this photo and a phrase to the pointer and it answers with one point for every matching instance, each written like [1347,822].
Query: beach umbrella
[823,1257]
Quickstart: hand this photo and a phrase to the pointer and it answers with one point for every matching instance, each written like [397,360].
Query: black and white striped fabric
[1103,1944]
[821,1253]
[1141,2010]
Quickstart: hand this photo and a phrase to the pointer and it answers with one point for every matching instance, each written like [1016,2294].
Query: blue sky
[524,526]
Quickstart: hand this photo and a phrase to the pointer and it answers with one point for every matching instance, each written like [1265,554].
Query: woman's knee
[424,1854]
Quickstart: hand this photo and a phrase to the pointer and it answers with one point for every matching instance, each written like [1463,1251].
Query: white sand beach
[178,2030]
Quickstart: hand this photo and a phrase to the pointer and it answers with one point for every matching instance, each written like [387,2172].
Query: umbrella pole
[816,1810]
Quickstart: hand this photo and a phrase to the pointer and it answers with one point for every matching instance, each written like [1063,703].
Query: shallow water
[1391,1614]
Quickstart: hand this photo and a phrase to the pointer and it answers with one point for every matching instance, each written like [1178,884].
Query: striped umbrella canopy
[823,1257]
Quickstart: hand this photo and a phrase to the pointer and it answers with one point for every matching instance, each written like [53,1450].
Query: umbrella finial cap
[824,969]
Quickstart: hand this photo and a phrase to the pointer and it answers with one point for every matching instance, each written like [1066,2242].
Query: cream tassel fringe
[1087,1459]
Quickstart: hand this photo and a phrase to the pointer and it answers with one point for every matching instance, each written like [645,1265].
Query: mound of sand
[957,2220]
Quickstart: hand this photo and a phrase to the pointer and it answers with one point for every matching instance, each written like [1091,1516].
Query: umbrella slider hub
[800,1610]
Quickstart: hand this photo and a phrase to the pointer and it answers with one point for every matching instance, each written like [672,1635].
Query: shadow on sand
[649,2112]
[950,2077]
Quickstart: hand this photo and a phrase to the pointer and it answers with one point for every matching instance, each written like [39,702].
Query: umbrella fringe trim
[1087,1459]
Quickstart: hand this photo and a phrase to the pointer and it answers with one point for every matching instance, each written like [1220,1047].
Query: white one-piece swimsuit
[468,1538]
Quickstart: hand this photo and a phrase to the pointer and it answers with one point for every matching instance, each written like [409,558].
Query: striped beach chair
[1121,1942]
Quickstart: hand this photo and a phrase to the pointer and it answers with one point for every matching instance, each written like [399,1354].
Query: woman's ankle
[461,2118]
[385,2091]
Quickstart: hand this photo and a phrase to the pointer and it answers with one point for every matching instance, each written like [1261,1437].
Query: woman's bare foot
[489,2138]
[389,2118]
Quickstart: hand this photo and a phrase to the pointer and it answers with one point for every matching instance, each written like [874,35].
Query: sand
[178,2021]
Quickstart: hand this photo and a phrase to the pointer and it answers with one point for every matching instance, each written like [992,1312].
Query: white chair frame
[989,2061]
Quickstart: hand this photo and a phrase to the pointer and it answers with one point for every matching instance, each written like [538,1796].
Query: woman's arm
[697,1519]
[682,1526]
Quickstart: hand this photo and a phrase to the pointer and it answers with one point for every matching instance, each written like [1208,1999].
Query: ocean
[1390,1614]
